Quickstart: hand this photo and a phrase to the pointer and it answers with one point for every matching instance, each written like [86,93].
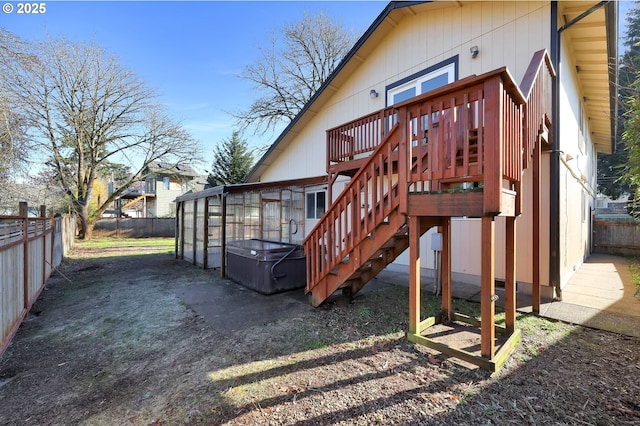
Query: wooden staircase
[132,201]
[362,231]
[459,150]
[373,253]
[365,229]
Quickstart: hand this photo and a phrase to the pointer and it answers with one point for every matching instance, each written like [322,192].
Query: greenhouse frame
[207,220]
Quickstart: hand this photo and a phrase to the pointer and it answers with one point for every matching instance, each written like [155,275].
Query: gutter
[554,181]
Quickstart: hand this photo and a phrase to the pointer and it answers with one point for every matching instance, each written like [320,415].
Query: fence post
[43,223]
[24,213]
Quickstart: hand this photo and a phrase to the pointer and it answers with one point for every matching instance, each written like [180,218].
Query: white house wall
[506,33]
[577,173]
[165,199]
[442,31]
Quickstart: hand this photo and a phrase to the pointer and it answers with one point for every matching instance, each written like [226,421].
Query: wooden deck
[459,150]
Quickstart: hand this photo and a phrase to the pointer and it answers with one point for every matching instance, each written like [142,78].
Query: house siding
[440,32]
[577,173]
[164,203]
[507,34]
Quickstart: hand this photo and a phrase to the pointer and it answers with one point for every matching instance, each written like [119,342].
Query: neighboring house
[605,207]
[456,117]
[163,183]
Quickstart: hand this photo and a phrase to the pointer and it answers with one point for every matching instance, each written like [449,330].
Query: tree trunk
[86,228]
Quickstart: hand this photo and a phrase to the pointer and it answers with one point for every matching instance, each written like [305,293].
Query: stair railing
[536,87]
[366,201]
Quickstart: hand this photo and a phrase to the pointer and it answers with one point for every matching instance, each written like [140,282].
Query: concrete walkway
[600,295]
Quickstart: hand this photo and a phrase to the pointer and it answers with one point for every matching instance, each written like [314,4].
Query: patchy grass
[110,242]
[634,267]
[101,247]
[114,344]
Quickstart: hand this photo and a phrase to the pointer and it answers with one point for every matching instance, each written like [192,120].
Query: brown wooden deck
[456,151]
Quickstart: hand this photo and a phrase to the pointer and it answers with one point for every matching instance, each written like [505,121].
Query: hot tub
[266,266]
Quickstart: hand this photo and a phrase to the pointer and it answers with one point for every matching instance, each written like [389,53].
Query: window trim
[429,72]
[315,204]
[150,184]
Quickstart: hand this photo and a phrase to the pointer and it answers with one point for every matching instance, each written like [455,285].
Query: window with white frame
[316,204]
[151,184]
[423,81]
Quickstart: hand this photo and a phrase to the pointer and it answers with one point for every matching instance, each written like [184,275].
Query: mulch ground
[112,341]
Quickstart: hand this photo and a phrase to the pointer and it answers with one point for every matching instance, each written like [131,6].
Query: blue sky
[191,52]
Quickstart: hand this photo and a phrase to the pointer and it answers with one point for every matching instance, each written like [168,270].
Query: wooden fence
[619,236]
[30,248]
[135,227]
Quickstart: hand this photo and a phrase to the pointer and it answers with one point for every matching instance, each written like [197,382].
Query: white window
[423,81]
[165,181]
[151,185]
[316,204]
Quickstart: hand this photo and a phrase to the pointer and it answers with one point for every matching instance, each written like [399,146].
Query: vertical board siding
[200,232]
[35,267]
[620,236]
[27,260]
[11,288]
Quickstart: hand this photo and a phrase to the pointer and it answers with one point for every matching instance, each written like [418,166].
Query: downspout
[554,180]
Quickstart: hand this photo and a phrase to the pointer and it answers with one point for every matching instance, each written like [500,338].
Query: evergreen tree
[614,177]
[631,138]
[232,161]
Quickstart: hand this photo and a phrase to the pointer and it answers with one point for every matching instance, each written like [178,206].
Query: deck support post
[445,269]
[535,259]
[487,290]
[510,275]
[414,274]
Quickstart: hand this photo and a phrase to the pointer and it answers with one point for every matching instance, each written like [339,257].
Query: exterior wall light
[373,94]
[474,51]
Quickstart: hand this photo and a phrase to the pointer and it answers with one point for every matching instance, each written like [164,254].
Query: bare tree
[291,70]
[13,141]
[85,110]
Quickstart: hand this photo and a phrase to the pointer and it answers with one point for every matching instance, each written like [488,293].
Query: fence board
[135,227]
[616,236]
[27,260]
[11,289]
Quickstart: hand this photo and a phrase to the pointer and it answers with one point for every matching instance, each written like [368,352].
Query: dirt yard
[125,334]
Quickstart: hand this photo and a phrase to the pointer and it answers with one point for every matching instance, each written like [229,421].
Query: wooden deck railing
[457,133]
[536,87]
[475,131]
[360,136]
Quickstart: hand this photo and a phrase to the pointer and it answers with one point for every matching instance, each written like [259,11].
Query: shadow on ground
[152,340]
